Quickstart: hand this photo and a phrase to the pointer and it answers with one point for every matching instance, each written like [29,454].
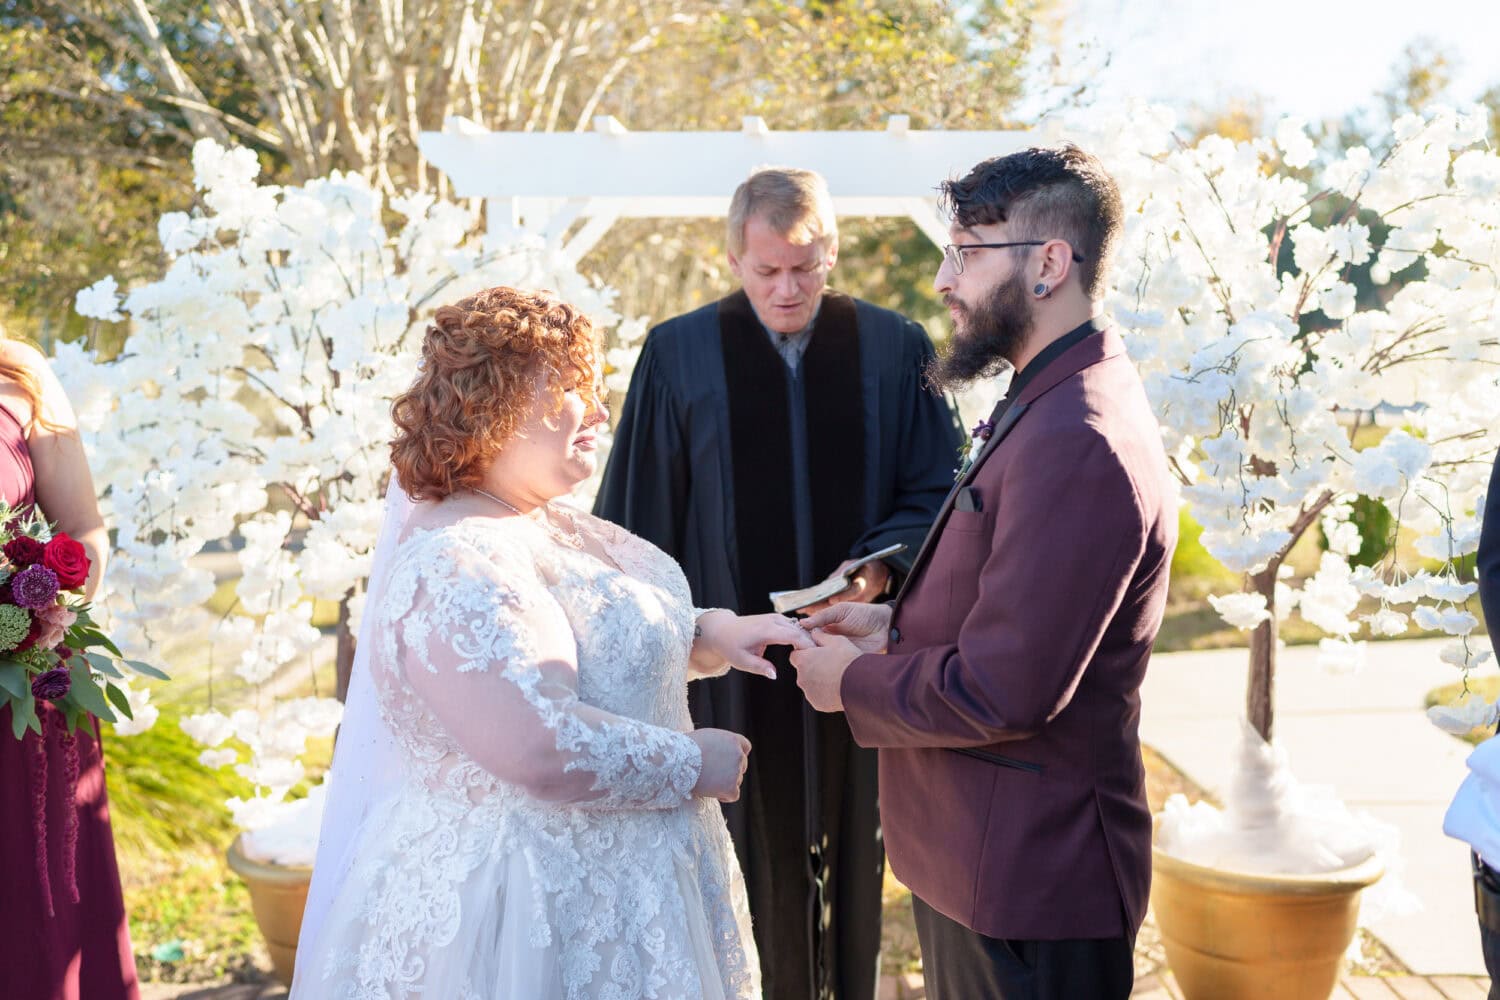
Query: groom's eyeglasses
[954,252]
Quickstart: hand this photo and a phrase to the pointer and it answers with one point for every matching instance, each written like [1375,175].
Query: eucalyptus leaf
[23,716]
[145,670]
[118,699]
[93,637]
[14,679]
[104,664]
[87,694]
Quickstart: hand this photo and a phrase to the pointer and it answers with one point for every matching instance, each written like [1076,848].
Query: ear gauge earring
[1041,291]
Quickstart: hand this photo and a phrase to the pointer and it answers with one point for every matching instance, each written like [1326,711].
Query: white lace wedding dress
[544,842]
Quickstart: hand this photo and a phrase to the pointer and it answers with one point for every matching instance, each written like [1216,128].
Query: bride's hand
[725,757]
[727,639]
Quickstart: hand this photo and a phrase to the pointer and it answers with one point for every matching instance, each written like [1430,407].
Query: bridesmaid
[63,934]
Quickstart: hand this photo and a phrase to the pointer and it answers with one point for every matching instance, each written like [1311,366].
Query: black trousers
[962,964]
[1487,908]
[807,829]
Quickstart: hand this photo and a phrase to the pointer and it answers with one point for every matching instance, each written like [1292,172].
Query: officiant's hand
[820,672]
[868,626]
[727,640]
[865,586]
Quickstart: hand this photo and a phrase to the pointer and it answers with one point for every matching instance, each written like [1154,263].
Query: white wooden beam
[589,236]
[889,163]
[929,218]
[547,181]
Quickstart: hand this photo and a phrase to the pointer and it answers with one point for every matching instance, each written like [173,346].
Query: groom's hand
[866,625]
[820,672]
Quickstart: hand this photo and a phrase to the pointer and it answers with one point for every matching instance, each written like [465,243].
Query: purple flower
[34,587]
[983,430]
[51,685]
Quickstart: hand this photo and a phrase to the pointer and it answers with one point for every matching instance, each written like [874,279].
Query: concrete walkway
[1368,737]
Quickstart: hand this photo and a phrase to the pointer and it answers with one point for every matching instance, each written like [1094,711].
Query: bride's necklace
[569,535]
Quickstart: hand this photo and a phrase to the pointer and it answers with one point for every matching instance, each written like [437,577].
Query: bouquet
[51,650]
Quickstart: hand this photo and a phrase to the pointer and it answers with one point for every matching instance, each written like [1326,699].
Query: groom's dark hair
[1057,193]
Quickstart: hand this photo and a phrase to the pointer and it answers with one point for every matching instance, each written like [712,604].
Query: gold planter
[278,894]
[1233,936]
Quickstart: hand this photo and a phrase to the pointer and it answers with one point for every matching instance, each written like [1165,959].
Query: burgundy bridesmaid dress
[63,934]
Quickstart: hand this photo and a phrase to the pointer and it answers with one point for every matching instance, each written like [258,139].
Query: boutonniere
[972,447]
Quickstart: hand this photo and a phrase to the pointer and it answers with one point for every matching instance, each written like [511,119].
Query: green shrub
[1194,571]
[161,800]
[1376,527]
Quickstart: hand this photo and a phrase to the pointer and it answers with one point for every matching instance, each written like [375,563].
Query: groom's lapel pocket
[968,500]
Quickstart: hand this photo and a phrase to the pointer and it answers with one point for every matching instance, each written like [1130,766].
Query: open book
[791,600]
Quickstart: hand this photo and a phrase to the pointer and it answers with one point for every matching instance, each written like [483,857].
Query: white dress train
[543,842]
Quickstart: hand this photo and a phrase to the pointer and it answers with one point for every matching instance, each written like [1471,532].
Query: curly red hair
[485,361]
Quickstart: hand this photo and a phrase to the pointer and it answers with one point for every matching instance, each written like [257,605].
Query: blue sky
[1315,58]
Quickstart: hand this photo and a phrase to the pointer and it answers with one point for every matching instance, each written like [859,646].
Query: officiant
[767,440]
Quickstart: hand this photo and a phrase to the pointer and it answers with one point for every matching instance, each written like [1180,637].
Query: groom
[1002,685]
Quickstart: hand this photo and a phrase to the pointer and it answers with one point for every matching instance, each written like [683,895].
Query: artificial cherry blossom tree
[252,399]
[1236,286]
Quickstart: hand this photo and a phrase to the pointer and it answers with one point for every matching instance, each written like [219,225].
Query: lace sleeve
[487,651]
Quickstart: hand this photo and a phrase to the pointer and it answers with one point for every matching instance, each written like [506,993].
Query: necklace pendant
[569,535]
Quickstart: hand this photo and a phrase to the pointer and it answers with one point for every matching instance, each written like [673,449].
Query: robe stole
[761,441]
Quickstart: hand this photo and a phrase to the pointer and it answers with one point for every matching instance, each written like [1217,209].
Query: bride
[549,825]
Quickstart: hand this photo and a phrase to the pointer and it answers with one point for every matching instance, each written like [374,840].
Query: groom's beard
[993,333]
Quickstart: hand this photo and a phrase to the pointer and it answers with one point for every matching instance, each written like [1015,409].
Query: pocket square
[969,500]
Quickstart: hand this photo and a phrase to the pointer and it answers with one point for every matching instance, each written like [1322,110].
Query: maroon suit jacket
[1007,705]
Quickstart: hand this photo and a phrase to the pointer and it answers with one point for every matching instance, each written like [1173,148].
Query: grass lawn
[190,916]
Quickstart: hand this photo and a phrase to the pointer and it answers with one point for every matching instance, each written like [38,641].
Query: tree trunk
[1261,689]
[344,657]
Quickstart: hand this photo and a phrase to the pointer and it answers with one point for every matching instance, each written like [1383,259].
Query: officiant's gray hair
[795,204]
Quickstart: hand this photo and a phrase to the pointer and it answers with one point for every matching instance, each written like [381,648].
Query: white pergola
[573,186]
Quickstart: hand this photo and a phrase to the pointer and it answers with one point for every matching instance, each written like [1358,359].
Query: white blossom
[1386,622]
[1463,655]
[1450,622]
[214,759]
[101,300]
[1329,598]
[1449,589]
[208,728]
[1459,719]
[1296,148]
[1243,611]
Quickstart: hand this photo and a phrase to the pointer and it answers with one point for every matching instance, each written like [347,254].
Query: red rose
[24,551]
[67,559]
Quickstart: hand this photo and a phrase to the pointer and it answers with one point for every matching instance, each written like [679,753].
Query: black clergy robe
[759,478]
